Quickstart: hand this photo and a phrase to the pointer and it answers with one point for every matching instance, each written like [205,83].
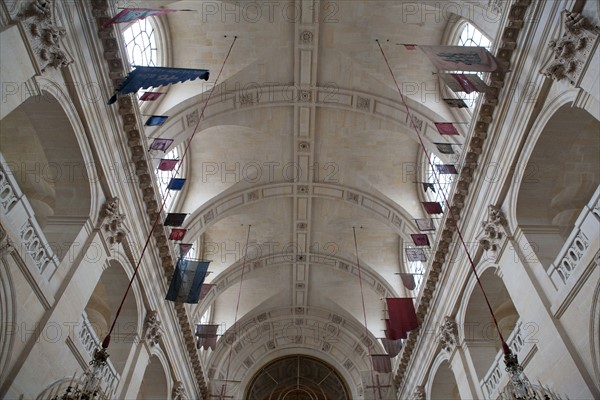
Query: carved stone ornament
[179,391]
[419,393]
[152,329]
[113,223]
[43,34]
[572,50]
[448,334]
[494,228]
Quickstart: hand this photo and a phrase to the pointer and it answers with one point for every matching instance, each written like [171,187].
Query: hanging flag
[456,103]
[206,335]
[432,207]
[174,219]
[167,165]
[446,128]
[206,287]
[150,96]
[133,14]
[381,363]
[467,83]
[392,347]
[408,280]
[161,144]
[446,169]
[445,148]
[427,186]
[176,184]
[425,224]
[410,46]
[187,281]
[402,318]
[413,254]
[146,77]
[156,120]
[184,248]
[177,234]
[420,239]
[460,58]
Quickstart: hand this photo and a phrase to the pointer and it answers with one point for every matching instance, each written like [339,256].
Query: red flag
[167,165]
[206,336]
[420,239]
[402,317]
[392,347]
[177,234]
[464,83]
[446,128]
[410,46]
[381,363]
[432,207]
[408,280]
[150,96]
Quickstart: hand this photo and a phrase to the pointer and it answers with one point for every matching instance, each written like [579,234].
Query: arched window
[164,177]
[471,36]
[437,189]
[140,42]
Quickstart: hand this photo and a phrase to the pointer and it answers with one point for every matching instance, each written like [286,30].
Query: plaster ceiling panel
[225,156]
[264,45]
[350,56]
[368,154]
[270,233]
[260,290]
[334,288]
[377,242]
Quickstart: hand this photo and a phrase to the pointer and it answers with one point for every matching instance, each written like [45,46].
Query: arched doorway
[443,386]
[154,383]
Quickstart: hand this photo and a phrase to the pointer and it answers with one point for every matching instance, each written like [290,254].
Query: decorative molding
[113,221]
[306,37]
[43,34]
[448,334]
[572,50]
[494,230]
[152,329]
[179,392]
[419,393]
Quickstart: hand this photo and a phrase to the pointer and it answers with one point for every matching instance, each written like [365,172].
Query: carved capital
[572,49]
[152,330]
[419,393]
[179,391]
[113,221]
[494,230]
[44,34]
[448,334]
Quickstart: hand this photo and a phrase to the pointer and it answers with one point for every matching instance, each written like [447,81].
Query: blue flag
[187,281]
[157,120]
[146,77]
[176,184]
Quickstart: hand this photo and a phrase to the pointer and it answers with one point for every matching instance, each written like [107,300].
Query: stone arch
[475,325]
[595,332]
[264,336]
[155,383]
[557,175]
[298,376]
[8,312]
[442,382]
[101,309]
[232,275]
[49,157]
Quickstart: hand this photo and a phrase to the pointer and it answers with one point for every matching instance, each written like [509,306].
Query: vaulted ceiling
[304,140]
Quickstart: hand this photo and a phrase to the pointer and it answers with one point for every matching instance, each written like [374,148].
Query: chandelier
[88,386]
[519,387]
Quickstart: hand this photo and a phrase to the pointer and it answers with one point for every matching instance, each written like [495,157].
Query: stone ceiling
[304,139]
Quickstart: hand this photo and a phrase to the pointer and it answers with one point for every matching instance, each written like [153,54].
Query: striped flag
[187,281]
